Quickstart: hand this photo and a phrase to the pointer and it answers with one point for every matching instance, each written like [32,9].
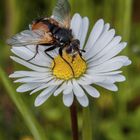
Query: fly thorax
[63,35]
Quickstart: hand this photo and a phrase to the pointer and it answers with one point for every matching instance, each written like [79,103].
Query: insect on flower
[68,72]
[53,32]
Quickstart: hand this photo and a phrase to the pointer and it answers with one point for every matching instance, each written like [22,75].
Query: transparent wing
[61,13]
[28,37]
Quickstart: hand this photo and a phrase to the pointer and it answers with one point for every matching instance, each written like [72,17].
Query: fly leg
[81,54]
[50,49]
[82,50]
[34,54]
[60,53]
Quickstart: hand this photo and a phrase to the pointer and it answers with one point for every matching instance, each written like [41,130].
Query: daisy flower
[99,65]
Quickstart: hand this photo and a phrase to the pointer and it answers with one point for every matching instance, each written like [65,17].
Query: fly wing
[61,13]
[28,37]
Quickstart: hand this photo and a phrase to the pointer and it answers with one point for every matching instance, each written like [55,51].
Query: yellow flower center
[66,68]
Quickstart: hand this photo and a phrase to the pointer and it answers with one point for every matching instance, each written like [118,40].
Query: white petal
[103,33]
[41,98]
[68,99]
[84,31]
[26,54]
[28,65]
[108,49]
[91,78]
[46,79]
[111,87]
[118,78]
[95,33]
[60,89]
[110,65]
[128,62]
[92,91]
[83,100]
[78,91]
[22,52]
[55,82]
[94,77]
[35,79]
[15,75]
[68,88]
[39,88]
[45,85]
[113,78]
[109,77]
[47,90]
[110,73]
[105,38]
[42,55]
[76,24]
[27,87]
[85,80]
[27,80]
[109,55]
[18,74]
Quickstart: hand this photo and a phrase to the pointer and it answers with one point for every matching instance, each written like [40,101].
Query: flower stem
[74,122]
[87,124]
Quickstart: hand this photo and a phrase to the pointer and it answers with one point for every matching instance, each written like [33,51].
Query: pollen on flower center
[63,71]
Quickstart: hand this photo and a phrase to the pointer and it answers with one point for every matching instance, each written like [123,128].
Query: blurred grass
[113,116]
[28,117]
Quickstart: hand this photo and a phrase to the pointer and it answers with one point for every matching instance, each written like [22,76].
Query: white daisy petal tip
[100,22]
[68,99]
[86,19]
[16,81]
[19,90]
[91,91]
[67,104]
[128,62]
[115,89]
[123,79]
[76,15]
[38,102]
[56,94]
[83,101]
[12,57]
[97,96]
[41,99]
[11,75]
[120,78]
[125,43]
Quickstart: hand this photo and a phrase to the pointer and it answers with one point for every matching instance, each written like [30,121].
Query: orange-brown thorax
[40,26]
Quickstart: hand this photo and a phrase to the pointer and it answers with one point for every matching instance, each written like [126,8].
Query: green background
[114,116]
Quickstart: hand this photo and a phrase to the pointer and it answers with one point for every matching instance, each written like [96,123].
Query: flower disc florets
[65,71]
